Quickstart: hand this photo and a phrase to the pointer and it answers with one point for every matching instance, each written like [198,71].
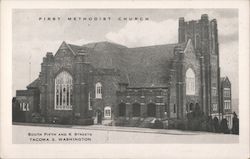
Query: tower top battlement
[202,32]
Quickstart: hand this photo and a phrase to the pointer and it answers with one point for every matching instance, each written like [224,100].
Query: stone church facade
[107,82]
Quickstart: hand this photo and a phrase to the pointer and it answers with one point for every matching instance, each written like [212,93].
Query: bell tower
[204,36]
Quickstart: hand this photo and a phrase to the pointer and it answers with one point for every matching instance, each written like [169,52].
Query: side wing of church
[111,84]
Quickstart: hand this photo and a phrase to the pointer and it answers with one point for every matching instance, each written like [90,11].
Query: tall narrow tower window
[63,91]
[98,90]
[190,82]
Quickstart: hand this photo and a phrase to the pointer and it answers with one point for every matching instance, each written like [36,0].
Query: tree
[235,128]
[195,119]
[216,125]
[209,124]
[224,127]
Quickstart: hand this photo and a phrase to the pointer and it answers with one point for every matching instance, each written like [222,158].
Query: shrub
[54,120]
[195,124]
[235,128]
[209,124]
[134,122]
[36,118]
[171,124]
[224,126]
[216,125]
[157,124]
[121,122]
[177,124]
[181,124]
[196,120]
[66,120]
[204,126]
[88,121]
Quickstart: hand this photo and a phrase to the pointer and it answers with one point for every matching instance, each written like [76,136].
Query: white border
[9,150]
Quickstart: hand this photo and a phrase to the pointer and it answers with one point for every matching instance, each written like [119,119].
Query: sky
[34,35]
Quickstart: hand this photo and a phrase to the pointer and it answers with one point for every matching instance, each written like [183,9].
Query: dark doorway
[122,109]
[99,117]
[151,111]
[136,109]
[191,107]
[197,107]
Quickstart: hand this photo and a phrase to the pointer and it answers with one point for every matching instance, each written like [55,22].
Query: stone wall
[204,36]
[144,97]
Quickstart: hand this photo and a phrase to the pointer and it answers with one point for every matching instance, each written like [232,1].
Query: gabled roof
[222,79]
[72,48]
[225,80]
[35,84]
[147,66]
[139,66]
[75,48]
[100,45]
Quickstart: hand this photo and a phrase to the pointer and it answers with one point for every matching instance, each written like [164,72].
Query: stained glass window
[63,91]
[190,82]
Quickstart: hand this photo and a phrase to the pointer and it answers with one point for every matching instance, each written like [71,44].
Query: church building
[107,82]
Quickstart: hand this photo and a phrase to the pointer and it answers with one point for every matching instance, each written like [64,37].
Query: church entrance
[99,117]
[191,107]
[151,111]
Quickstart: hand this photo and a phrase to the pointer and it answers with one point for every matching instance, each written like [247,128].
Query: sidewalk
[139,130]
[119,128]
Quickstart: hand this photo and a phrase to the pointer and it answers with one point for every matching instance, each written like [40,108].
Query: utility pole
[30,68]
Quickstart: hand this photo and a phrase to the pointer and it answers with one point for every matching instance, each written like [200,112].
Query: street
[97,134]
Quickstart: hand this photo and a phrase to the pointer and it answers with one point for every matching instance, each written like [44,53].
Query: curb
[107,128]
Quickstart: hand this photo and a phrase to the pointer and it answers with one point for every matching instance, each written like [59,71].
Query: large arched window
[190,82]
[63,91]
[98,90]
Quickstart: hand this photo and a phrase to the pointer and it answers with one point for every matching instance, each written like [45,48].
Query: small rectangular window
[215,107]
[227,104]
[107,112]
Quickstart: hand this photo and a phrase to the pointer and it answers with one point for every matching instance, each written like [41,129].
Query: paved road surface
[25,134]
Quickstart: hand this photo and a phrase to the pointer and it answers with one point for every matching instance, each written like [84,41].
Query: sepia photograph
[124,79]
[94,75]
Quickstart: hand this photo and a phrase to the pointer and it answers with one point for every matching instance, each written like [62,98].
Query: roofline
[67,46]
[153,45]
[70,48]
[98,42]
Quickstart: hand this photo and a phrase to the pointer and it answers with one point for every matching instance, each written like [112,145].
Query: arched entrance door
[191,107]
[151,111]
[99,116]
